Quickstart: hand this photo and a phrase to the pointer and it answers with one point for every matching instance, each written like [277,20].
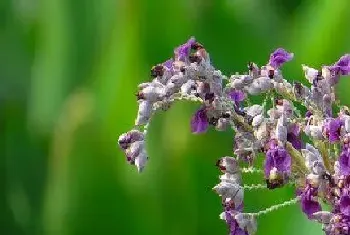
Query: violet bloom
[344,161]
[237,97]
[233,225]
[308,203]
[342,66]
[344,205]
[199,121]
[169,64]
[183,51]
[293,136]
[332,129]
[337,224]
[277,166]
[279,57]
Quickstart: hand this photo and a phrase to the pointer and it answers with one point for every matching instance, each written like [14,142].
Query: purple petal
[199,122]
[295,141]
[233,225]
[279,57]
[169,64]
[237,95]
[269,162]
[284,161]
[332,128]
[294,129]
[342,66]
[278,158]
[345,205]
[183,51]
[344,162]
[309,207]
[293,136]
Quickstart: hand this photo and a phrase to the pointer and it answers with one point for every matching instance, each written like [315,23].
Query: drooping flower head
[273,128]
[130,137]
[133,145]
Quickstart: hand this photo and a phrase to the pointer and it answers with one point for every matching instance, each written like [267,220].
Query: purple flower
[279,57]
[308,204]
[293,136]
[337,224]
[344,161]
[332,129]
[237,96]
[342,66]
[233,225]
[199,121]
[169,64]
[183,51]
[345,205]
[277,166]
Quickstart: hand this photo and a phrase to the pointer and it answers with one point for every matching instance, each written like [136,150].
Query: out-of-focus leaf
[50,70]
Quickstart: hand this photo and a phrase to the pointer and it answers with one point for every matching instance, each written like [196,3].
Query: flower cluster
[231,191]
[299,148]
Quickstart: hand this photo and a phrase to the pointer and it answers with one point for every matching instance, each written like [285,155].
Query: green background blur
[69,70]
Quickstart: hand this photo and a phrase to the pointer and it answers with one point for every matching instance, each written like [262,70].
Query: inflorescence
[308,148]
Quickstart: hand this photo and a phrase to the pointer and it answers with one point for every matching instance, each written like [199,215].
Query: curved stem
[274,207]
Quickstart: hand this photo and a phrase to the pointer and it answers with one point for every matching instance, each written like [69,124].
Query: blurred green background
[69,70]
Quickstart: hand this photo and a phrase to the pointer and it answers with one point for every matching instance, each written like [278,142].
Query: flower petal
[199,122]
[279,57]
